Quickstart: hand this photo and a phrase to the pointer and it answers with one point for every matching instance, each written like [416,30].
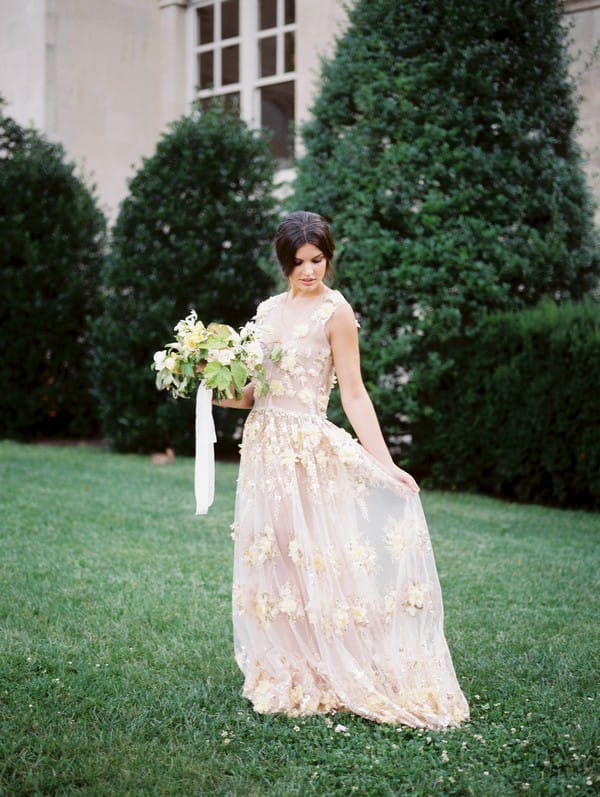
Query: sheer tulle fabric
[336,598]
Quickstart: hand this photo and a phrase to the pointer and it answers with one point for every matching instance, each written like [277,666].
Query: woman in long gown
[336,599]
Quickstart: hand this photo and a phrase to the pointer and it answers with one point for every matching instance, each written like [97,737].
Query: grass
[116,668]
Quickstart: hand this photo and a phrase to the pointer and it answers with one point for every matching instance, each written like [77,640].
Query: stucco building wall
[87,75]
[319,22]
[23,60]
[584,17]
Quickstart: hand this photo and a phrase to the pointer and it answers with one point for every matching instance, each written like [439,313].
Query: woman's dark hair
[297,229]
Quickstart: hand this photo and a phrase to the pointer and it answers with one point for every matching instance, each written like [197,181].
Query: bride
[336,599]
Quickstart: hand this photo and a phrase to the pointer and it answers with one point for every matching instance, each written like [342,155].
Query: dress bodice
[299,372]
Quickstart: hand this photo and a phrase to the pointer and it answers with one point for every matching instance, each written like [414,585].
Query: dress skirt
[336,599]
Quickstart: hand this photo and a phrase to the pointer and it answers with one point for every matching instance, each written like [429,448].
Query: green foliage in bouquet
[52,237]
[442,149]
[517,414]
[194,231]
[215,356]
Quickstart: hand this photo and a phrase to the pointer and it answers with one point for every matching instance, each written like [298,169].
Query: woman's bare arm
[357,405]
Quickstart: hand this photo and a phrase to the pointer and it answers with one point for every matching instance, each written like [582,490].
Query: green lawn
[116,667]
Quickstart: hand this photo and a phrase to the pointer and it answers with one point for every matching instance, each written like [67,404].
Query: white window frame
[250,83]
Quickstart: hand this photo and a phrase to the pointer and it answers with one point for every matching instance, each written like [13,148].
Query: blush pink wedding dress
[336,599]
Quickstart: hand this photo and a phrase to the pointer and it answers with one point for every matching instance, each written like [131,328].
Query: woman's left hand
[403,477]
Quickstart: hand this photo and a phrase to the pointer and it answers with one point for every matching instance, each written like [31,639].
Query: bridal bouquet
[214,356]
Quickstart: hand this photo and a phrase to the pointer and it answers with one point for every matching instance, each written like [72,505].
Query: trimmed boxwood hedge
[517,414]
[442,147]
[52,243]
[194,232]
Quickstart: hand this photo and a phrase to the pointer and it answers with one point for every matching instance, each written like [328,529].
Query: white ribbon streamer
[204,471]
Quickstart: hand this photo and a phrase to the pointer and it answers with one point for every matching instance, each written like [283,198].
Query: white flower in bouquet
[254,353]
[166,366]
[215,356]
[248,331]
[223,356]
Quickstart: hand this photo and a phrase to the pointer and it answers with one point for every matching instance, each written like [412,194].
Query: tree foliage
[442,148]
[517,413]
[52,237]
[194,232]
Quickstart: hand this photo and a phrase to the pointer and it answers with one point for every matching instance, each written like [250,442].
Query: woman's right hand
[403,477]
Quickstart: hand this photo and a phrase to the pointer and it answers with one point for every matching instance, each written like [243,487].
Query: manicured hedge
[518,414]
[194,232]
[442,147]
[52,239]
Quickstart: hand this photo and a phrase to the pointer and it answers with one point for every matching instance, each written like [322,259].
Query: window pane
[230,64]
[290,52]
[230,102]
[267,50]
[290,12]
[206,71]
[267,14]
[206,24]
[230,19]
[277,114]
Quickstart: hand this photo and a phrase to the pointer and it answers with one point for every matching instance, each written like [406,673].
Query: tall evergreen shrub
[517,414]
[52,237]
[194,232]
[442,148]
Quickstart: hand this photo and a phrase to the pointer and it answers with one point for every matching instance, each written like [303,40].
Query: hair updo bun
[297,229]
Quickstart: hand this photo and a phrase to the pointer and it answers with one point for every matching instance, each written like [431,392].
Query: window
[277,114]
[244,51]
[218,49]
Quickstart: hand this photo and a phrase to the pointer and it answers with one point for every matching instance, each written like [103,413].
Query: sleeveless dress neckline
[328,295]
[336,598]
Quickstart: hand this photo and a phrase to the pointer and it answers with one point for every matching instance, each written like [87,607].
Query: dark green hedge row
[52,241]
[518,415]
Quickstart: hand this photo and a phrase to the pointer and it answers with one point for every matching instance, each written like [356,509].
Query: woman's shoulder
[335,303]
[337,297]
[334,299]
[268,304]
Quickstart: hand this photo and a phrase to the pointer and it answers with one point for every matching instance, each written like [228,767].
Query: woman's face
[307,275]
